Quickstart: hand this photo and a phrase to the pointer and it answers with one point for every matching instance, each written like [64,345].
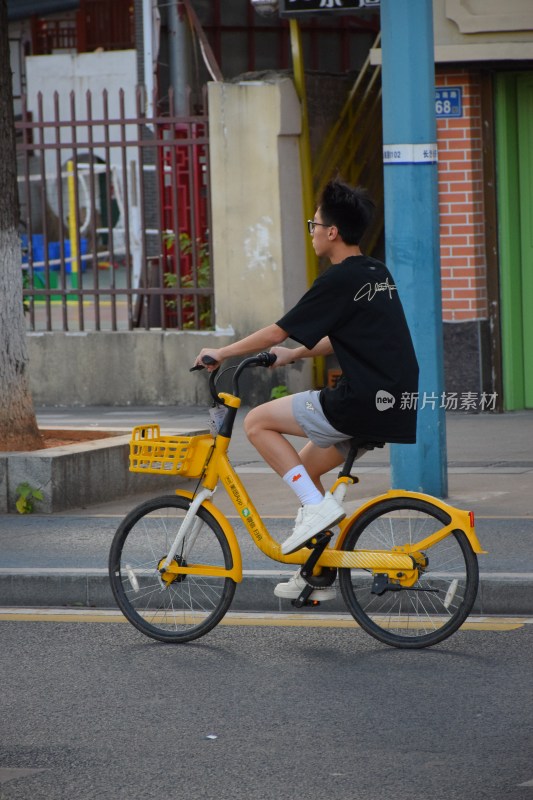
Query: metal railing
[115,215]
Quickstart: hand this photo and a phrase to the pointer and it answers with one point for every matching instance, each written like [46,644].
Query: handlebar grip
[266,359]
[207,361]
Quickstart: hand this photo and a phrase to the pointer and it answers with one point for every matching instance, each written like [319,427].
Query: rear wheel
[182,607]
[443,596]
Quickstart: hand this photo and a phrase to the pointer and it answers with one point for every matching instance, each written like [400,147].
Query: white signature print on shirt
[370,291]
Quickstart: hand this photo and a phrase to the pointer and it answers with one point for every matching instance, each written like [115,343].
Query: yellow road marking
[472,625]
[309,622]
[253,619]
[38,616]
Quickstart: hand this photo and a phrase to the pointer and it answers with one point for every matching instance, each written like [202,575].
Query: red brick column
[462,225]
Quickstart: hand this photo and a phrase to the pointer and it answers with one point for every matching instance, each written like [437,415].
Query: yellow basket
[172,455]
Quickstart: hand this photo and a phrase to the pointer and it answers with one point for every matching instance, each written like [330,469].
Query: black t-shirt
[356,304]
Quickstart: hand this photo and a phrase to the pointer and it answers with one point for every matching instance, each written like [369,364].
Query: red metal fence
[115,215]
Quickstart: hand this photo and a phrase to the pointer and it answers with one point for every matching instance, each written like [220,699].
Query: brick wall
[462,226]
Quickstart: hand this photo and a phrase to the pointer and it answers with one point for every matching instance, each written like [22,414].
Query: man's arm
[260,340]
[286,355]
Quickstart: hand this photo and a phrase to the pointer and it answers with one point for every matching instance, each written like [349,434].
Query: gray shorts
[310,417]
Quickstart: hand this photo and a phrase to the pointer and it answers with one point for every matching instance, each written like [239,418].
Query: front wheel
[183,607]
[443,596]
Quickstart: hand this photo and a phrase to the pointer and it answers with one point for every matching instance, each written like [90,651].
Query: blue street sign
[449,102]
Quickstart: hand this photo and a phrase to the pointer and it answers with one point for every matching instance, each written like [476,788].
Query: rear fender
[459,519]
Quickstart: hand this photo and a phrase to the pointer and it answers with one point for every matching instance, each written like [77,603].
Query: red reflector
[471,516]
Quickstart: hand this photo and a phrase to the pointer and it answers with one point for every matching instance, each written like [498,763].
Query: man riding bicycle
[352,310]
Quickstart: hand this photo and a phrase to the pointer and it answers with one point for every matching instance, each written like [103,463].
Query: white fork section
[188,522]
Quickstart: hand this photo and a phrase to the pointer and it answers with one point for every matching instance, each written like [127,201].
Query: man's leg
[319,460]
[264,427]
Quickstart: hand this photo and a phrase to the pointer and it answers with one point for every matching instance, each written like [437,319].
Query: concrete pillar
[257,210]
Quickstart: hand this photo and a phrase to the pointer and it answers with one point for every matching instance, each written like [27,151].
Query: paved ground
[61,559]
[259,710]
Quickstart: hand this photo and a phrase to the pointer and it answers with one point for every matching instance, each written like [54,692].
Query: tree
[18,426]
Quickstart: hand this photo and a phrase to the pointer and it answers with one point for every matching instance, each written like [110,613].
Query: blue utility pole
[412,226]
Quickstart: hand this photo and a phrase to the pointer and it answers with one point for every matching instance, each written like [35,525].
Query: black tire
[190,606]
[447,587]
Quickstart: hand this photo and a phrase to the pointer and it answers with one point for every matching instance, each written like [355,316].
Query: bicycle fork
[190,523]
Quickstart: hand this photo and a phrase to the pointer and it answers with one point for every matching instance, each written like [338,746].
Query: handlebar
[260,360]
[207,362]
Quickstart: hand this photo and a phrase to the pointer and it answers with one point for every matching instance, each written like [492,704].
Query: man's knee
[252,422]
[275,416]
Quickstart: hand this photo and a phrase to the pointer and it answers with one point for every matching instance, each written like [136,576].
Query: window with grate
[107,25]
[243,41]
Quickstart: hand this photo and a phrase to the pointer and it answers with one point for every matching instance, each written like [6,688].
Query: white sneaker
[312,519]
[293,589]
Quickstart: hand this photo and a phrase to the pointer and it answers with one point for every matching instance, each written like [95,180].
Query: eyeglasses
[311,225]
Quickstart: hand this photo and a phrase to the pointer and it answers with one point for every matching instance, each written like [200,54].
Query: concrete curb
[77,475]
[502,593]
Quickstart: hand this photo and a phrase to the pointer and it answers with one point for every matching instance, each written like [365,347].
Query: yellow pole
[72,224]
[305,145]
[307,171]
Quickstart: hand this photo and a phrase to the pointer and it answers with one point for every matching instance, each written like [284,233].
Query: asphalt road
[95,710]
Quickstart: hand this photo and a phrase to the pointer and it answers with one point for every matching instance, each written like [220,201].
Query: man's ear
[333,233]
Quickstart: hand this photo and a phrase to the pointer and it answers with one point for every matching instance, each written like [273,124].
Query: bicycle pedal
[303,598]
[321,539]
[299,603]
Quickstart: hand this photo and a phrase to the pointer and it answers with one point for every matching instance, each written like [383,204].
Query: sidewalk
[60,559]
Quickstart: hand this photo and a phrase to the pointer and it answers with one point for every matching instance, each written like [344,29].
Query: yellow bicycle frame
[400,563]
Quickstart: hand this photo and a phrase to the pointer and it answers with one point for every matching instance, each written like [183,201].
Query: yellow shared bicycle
[406,562]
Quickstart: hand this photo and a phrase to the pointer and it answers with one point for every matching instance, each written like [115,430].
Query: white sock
[302,485]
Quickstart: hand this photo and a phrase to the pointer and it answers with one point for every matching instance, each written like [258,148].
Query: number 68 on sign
[449,102]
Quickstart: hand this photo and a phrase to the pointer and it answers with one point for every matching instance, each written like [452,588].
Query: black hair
[349,209]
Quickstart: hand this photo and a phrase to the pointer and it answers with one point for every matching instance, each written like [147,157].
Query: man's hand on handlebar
[209,354]
[211,360]
[284,355]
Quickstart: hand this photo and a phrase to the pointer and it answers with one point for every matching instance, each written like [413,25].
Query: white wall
[73,75]
[79,73]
